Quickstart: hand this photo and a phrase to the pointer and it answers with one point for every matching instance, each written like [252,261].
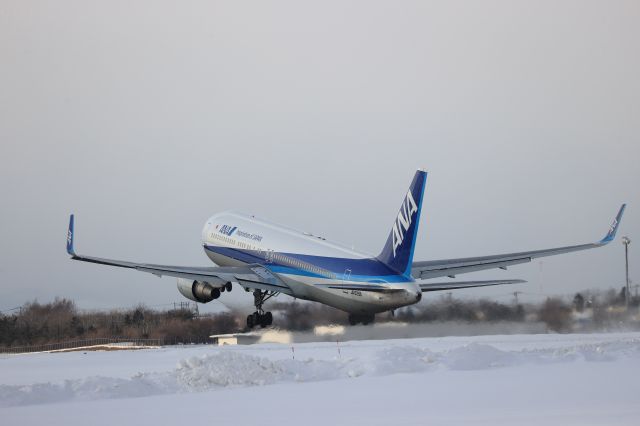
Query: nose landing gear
[260,317]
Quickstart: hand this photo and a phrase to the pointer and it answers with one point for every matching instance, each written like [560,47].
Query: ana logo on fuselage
[227,230]
[403,221]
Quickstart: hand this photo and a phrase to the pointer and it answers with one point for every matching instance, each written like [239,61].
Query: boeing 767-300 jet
[270,259]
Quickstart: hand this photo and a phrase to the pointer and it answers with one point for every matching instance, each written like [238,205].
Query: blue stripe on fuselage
[366,270]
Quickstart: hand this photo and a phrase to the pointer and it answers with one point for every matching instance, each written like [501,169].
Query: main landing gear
[260,317]
[365,319]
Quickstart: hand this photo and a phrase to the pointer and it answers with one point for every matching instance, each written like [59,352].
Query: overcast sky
[144,118]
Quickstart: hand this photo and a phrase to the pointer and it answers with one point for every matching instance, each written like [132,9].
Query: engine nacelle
[200,291]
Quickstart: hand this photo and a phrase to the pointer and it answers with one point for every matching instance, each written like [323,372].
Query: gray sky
[144,118]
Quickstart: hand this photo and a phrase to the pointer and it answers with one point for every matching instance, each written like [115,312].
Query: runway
[518,379]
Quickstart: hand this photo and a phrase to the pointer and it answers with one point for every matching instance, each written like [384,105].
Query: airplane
[269,259]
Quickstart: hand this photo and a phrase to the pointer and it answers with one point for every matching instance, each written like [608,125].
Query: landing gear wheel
[353,319]
[258,319]
[368,319]
[266,319]
[365,319]
[228,286]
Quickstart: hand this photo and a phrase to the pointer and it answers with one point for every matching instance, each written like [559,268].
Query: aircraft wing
[249,276]
[452,267]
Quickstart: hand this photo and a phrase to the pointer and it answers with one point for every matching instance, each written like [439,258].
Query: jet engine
[200,291]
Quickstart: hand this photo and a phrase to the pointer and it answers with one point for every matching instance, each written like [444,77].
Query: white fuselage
[306,263]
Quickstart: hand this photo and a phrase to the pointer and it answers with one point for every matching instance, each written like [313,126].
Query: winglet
[614,227]
[70,249]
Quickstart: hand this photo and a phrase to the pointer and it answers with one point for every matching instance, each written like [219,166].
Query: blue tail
[398,250]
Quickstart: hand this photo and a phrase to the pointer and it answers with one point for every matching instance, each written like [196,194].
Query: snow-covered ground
[517,379]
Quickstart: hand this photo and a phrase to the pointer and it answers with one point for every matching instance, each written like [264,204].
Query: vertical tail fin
[398,250]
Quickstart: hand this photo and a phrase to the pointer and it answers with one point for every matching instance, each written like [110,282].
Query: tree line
[40,323]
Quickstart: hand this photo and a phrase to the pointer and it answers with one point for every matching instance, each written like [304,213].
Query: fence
[116,341]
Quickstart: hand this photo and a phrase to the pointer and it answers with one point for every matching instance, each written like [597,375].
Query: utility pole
[540,276]
[515,295]
[626,241]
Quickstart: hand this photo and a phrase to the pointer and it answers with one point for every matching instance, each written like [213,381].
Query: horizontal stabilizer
[464,284]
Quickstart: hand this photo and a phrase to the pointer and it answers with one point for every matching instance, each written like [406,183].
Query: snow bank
[233,368]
